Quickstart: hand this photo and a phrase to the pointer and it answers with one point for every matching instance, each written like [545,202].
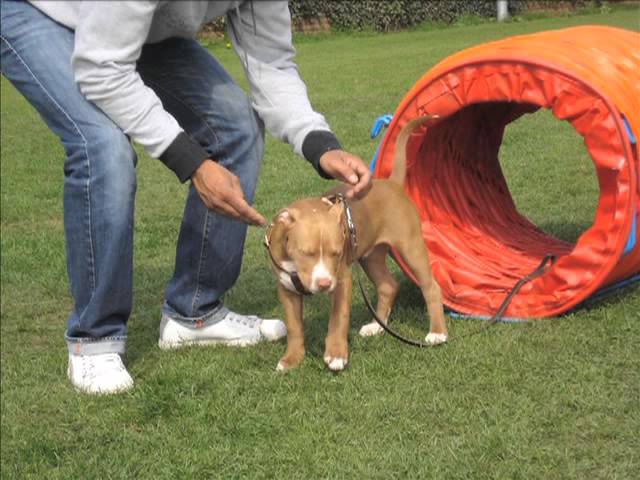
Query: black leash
[541,269]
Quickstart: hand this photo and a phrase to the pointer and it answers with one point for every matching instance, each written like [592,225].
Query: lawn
[558,398]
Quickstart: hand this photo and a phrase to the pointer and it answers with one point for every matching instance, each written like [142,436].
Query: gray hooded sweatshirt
[109,36]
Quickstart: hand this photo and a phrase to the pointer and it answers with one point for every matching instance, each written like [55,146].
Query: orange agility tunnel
[479,244]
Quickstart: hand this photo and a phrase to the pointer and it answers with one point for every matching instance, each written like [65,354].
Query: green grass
[549,399]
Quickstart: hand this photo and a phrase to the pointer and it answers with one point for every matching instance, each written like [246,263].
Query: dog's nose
[324,283]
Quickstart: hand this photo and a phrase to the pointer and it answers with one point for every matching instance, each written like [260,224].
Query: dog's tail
[400,161]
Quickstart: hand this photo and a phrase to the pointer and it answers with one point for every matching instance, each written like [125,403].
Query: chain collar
[348,217]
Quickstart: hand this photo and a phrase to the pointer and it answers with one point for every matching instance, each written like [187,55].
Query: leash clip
[348,214]
[351,226]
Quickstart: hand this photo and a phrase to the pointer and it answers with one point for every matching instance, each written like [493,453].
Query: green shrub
[388,15]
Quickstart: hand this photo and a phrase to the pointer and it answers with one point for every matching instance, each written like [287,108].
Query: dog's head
[314,242]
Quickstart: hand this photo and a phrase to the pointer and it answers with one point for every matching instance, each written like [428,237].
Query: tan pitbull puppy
[310,240]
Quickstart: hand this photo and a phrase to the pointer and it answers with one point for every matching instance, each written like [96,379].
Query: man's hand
[221,192]
[348,169]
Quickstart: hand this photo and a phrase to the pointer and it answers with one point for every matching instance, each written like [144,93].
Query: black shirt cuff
[184,156]
[316,144]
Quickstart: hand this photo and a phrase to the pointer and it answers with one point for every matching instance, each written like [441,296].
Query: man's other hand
[349,169]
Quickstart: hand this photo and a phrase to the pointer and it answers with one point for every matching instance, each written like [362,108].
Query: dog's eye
[307,253]
[334,253]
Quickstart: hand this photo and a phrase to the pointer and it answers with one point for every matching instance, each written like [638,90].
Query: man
[103,73]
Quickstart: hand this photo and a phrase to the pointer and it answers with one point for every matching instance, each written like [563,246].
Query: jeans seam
[120,338]
[196,295]
[206,317]
[84,146]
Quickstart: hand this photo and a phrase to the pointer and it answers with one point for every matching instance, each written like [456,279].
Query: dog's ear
[286,217]
[335,205]
[328,201]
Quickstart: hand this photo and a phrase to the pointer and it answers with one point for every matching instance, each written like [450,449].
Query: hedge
[387,15]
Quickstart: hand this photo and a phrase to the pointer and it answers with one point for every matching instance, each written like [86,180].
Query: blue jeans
[100,176]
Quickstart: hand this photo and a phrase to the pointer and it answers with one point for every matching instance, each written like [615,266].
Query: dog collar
[350,224]
[293,276]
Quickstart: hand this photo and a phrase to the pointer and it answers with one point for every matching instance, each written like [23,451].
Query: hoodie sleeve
[108,41]
[261,35]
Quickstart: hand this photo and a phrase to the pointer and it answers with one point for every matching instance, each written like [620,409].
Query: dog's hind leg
[415,255]
[375,266]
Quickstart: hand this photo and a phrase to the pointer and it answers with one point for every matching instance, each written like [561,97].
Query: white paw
[436,338]
[371,329]
[335,364]
[280,367]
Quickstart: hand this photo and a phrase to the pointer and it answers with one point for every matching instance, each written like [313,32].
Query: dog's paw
[284,366]
[371,329]
[289,361]
[436,338]
[335,364]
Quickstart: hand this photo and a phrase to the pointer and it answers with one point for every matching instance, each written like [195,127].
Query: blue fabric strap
[380,122]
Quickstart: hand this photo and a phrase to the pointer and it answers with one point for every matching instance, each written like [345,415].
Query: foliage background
[392,15]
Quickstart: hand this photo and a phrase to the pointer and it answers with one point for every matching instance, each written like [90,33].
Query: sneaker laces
[250,321]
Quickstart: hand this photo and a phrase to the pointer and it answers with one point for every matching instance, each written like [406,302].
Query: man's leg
[99,191]
[211,108]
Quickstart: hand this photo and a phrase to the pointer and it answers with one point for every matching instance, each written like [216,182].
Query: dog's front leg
[336,354]
[292,303]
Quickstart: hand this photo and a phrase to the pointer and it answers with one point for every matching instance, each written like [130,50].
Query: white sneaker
[233,330]
[98,374]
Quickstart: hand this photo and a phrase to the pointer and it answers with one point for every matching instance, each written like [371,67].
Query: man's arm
[261,35]
[108,41]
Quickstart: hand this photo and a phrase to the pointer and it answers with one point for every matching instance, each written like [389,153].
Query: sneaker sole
[102,392]
[86,391]
[166,345]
